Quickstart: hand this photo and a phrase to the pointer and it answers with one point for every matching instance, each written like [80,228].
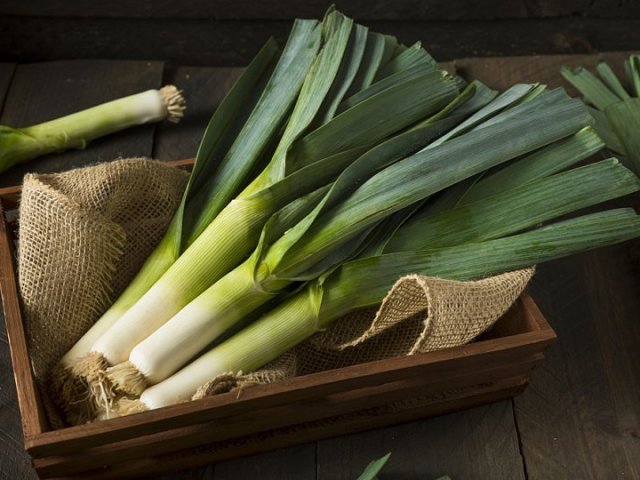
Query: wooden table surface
[579,418]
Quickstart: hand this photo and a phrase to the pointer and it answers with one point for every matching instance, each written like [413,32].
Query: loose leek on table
[372,164]
[616,110]
[78,129]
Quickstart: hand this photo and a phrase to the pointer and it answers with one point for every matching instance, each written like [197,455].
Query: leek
[363,283]
[360,198]
[324,151]
[617,110]
[78,129]
[234,142]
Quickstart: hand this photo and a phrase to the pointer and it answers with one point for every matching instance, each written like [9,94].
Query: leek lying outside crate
[617,112]
[338,227]
[78,129]
[311,151]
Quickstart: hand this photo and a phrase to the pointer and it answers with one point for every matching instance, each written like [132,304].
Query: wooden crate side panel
[466,358]
[425,405]
[232,428]
[33,418]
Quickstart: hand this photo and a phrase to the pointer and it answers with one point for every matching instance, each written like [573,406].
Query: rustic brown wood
[501,73]
[198,434]
[297,463]
[44,91]
[6,73]
[478,443]
[33,419]
[14,463]
[234,43]
[420,407]
[266,419]
[289,9]
[576,424]
[285,392]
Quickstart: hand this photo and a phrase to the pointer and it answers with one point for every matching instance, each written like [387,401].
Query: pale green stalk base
[78,129]
[170,347]
[255,346]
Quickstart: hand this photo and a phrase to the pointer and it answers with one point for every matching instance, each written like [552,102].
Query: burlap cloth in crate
[85,233]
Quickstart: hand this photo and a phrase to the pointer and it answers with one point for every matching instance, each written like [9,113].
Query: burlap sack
[83,236]
[418,314]
[86,232]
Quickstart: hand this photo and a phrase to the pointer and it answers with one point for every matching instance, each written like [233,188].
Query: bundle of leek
[305,92]
[78,129]
[342,224]
[617,112]
[498,239]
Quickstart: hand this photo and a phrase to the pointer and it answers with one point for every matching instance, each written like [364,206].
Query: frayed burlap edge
[419,314]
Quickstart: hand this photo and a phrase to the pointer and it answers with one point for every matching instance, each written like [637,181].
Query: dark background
[229,32]
[579,418]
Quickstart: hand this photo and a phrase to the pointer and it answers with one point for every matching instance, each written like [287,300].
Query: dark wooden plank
[397,412]
[501,73]
[6,74]
[288,9]
[490,352]
[203,89]
[478,444]
[290,416]
[580,418]
[14,463]
[234,42]
[295,463]
[44,91]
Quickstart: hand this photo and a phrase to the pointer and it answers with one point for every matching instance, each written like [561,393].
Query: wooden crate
[267,417]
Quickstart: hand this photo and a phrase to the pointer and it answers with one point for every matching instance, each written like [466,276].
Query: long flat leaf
[412,56]
[348,70]
[316,85]
[624,118]
[518,208]
[546,161]
[364,282]
[594,91]
[409,102]
[371,59]
[264,121]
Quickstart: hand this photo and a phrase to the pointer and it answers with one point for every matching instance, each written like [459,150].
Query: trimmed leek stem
[153,268]
[236,230]
[234,296]
[78,129]
[285,327]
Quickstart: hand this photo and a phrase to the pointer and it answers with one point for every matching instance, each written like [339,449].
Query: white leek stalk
[78,129]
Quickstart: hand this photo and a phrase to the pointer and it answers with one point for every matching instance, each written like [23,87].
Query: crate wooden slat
[286,413]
